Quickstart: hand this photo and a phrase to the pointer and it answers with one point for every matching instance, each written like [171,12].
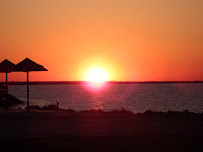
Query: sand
[99,131]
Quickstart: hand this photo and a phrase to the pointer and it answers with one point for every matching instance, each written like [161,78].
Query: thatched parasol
[6,67]
[28,65]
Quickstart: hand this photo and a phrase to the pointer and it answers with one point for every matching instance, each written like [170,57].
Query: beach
[101,75]
[40,130]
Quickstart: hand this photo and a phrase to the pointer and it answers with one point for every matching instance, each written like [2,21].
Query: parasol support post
[6,82]
[28,108]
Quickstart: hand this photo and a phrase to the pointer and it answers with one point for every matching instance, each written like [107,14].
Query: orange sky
[133,40]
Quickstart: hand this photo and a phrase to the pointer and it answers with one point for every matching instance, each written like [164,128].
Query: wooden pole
[6,99]
[6,82]
[28,108]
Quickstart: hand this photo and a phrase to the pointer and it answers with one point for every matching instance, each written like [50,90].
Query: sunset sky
[132,40]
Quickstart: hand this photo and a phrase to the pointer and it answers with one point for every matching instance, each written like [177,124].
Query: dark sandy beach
[99,131]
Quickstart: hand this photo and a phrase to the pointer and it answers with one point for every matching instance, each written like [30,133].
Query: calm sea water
[133,97]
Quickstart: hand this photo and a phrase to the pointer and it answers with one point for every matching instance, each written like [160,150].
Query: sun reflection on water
[95,86]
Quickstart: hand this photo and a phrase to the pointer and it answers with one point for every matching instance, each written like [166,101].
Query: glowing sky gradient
[133,40]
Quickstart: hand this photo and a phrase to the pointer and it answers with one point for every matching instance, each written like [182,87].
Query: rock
[8,100]
[34,107]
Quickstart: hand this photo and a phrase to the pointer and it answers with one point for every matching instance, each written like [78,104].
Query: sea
[134,97]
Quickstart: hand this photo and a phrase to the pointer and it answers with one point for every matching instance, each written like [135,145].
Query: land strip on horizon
[81,82]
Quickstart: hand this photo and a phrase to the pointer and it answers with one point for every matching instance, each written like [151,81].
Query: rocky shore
[95,130]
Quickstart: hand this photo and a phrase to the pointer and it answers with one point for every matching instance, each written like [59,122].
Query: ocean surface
[136,97]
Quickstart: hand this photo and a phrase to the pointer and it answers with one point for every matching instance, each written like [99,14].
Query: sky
[132,40]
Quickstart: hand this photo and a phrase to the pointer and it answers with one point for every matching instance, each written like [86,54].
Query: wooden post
[6,82]
[28,108]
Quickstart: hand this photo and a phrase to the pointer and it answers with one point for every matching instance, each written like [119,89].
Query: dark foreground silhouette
[44,130]
[8,100]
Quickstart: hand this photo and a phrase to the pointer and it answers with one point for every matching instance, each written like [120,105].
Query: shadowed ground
[99,131]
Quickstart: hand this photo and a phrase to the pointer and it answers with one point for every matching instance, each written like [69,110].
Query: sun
[96,75]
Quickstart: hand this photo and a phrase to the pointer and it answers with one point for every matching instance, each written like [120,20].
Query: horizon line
[80,82]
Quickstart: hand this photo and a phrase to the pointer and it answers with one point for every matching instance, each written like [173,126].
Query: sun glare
[96,75]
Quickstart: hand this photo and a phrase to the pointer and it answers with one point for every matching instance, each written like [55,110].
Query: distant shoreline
[82,82]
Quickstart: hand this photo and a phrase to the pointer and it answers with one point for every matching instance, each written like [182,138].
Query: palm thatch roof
[29,65]
[6,66]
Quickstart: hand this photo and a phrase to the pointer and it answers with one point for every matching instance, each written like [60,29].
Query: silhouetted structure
[6,67]
[28,65]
